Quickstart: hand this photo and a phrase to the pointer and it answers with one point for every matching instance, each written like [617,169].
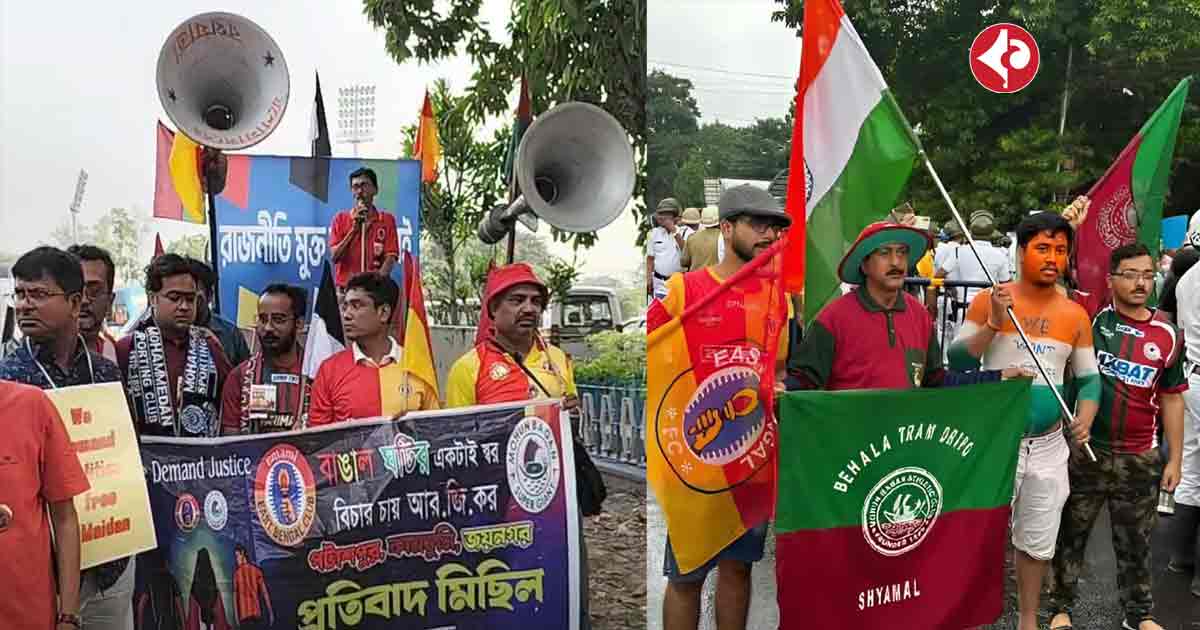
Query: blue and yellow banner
[463,518]
[274,215]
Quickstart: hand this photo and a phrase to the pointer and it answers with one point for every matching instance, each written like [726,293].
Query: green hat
[668,205]
[875,236]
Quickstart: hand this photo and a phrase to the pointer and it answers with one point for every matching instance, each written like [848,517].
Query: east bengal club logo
[187,512]
[900,510]
[723,436]
[285,495]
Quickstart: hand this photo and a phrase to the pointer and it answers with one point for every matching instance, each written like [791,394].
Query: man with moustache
[269,392]
[751,221]
[362,239]
[1141,373]
[99,278]
[368,379]
[50,292]
[877,336]
[174,370]
[1061,334]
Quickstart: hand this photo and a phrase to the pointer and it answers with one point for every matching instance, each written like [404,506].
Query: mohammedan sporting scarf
[150,388]
[291,406]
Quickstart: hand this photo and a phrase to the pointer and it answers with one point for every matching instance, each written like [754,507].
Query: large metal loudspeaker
[574,169]
[223,81]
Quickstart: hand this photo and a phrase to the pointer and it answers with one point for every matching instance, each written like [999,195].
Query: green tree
[1093,50]
[194,246]
[568,50]
[672,116]
[120,232]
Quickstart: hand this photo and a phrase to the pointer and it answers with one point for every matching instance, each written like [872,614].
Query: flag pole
[1012,316]
[213,250]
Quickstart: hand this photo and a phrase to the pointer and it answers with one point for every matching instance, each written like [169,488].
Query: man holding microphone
[363,238]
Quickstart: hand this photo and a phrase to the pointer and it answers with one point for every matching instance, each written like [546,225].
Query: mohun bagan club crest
[900,510]
[723,436]
[285,495]
[532,463]
[1118,219]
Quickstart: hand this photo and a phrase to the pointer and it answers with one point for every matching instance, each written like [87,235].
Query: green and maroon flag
[1127,202]
[893,506]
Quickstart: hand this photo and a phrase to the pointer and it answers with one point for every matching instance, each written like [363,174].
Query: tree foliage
[121,233]
[194,246]
[568,50]
[1004,152]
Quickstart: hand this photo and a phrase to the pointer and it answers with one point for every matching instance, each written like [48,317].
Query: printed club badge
[187,512]
[1152,351]
[285,495]
[900,510]
[532,464]
[723,436]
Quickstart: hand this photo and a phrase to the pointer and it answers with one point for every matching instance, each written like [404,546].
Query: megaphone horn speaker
[575,170]
[223,81]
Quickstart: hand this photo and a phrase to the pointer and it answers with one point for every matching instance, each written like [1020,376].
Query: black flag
[325,336]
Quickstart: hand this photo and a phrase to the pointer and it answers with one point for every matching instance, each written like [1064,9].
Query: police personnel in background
[664,246]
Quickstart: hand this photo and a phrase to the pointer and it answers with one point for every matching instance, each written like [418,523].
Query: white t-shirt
[1187,311]
[960,264]
[665,250]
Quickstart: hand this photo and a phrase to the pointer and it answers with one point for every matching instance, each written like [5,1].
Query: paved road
[1176,609]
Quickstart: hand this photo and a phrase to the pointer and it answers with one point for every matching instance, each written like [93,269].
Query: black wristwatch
[73,620]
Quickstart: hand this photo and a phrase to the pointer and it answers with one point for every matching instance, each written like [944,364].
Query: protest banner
[114,515]
[274,215]
[463,518]
[893,506]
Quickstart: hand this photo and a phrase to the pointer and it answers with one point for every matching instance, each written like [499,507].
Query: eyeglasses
[760,225]
[1130,275]
[93,292]
[179,297]
[34,296]
[278,319]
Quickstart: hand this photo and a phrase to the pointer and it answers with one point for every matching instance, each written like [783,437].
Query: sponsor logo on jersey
[1128,372]
[1126,329]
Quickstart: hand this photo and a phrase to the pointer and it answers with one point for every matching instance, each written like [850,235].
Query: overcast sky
[742,65]
[77,91]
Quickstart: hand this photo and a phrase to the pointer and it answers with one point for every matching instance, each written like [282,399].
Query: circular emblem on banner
[285,495]
[6,517]
[723,435]
[187,512]
[808,182]
[498,371]
[216,510]
[194,420]
[1152,351]
[900,510]
[1117,219]
[533,465]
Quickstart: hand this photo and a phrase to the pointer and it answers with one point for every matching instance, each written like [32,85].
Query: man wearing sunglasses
[269,392]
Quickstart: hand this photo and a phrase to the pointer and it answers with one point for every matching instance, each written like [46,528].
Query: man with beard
[1141,373]
[362,239]
[173,370]
[48,295]
[751,221]
[227,332]
[1060,333]
[99,276]
[368,379]
[268,392]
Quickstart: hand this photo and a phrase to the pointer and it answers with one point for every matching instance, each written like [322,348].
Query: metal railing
[952,302]
[613,426]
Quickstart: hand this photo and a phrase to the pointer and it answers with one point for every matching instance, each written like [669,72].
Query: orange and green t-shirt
[1061,336]
[349,385]
[486,375]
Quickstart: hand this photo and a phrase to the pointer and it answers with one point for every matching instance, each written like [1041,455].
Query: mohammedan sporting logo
[216,510]
[533,465]
[187,512]
[900,510]
[722,437]
[285,495]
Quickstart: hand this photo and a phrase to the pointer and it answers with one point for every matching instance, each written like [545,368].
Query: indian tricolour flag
[893,505]
[852,152]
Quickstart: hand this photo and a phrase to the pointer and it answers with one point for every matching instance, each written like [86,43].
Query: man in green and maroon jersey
[1141,373]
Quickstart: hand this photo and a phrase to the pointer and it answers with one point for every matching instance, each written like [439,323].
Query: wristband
[69,619]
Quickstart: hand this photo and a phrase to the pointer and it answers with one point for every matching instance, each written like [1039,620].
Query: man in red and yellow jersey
[510,360]
[369,379]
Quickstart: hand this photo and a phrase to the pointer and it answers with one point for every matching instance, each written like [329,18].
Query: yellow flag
[185,175]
